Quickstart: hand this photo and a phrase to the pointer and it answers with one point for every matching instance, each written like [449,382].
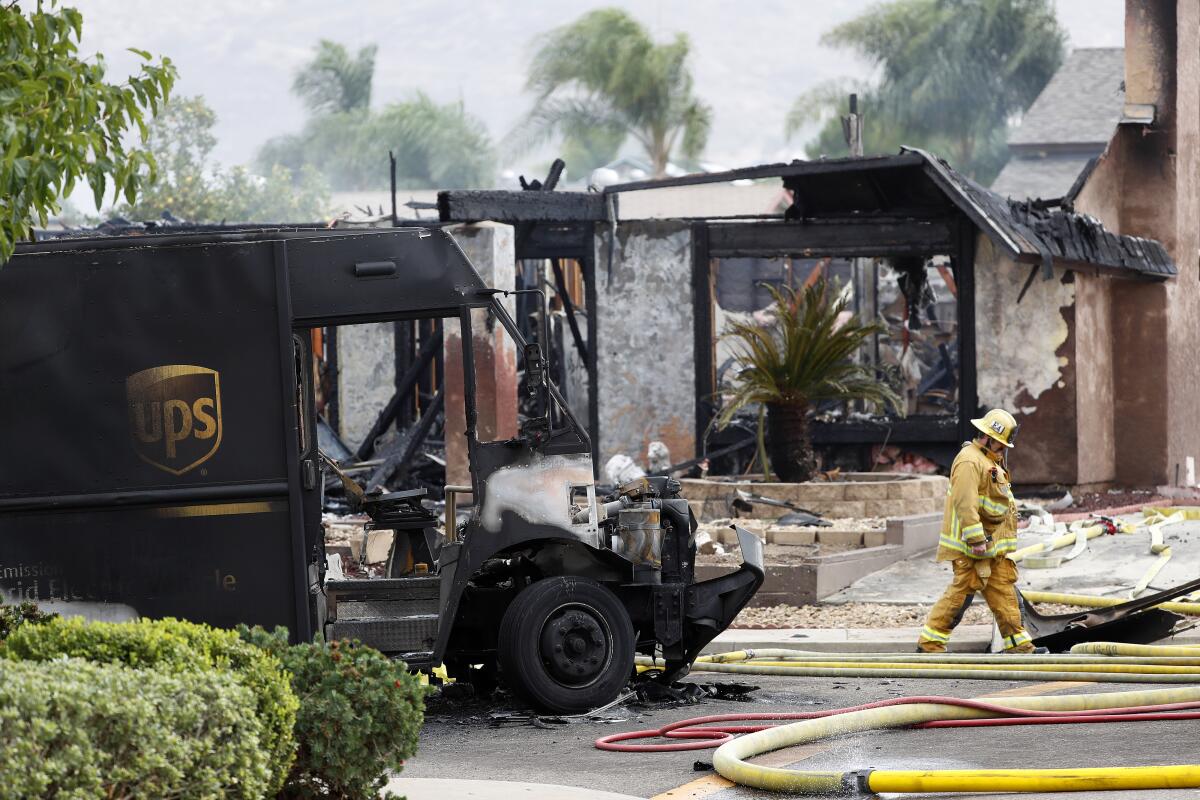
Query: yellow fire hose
[889,665]
[1117,663]
[1090,532]
[1144,651]
[731,759]
[1180,655]
[1090,601]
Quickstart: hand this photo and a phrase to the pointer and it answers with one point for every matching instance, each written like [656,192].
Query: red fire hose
[711,731]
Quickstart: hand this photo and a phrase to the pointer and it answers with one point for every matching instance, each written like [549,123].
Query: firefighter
[979,530]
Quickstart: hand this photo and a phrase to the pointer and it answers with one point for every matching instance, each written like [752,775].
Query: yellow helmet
[999,425]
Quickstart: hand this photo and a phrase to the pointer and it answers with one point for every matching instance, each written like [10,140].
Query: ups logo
[175,415]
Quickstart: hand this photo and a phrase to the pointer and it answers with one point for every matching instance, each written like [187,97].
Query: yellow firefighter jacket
[979,507]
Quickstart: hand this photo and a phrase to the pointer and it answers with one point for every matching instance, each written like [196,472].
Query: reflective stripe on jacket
[979,507]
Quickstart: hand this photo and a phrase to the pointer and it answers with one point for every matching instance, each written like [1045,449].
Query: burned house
[1074,311]
[965,280]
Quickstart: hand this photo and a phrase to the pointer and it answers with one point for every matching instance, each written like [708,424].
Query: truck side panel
[139,369]
[144,423]
[215,562]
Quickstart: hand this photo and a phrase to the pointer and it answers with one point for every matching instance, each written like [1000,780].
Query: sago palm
[806,356]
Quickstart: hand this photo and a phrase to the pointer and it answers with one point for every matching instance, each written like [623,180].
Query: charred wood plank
[469,205]
[825,238]
[402,449]
[556,240]
[560,286]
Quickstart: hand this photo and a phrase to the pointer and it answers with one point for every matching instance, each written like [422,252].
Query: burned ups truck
[161,458]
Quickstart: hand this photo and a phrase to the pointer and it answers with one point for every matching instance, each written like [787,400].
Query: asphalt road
[462,740]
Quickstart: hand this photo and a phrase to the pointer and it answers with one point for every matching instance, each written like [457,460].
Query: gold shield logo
[175,415]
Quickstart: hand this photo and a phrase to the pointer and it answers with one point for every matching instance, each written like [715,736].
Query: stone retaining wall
[860,494]
[820,576]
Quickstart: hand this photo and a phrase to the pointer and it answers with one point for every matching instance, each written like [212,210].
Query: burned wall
[366,376]
[1025,361]
[491,248]
[646,355]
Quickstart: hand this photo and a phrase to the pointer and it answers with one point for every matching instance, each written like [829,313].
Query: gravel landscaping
[863,615]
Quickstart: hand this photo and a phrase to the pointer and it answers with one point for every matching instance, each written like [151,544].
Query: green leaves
[806,355]
[436,145]
[347,142]
[360,717]
[182,179]
[72,728]
[605,71]
[171,646]
[61,122]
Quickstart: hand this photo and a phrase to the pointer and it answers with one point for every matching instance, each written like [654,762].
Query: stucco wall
[1152,176]
[1184,293]
[1025,361]
[1095,426]
[366,376]
[646,356]
[1095,297]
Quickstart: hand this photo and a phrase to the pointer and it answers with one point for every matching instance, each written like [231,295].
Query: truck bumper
[711,605]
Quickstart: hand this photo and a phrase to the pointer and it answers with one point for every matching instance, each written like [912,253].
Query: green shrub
[360,715]
[176,646]
[12,616]
[74,729]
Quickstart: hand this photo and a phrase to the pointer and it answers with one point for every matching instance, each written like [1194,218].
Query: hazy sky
[750,59]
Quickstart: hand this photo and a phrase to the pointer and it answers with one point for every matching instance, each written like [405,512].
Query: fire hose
[1102,662]
[712,730]
[1089,601]
[800,664]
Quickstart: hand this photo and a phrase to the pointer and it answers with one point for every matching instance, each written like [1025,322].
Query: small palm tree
[602,78]
[805,357]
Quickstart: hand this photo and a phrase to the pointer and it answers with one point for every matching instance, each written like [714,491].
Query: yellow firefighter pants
[1000,593]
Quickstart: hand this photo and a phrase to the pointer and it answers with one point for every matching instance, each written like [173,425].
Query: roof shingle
[1080,105]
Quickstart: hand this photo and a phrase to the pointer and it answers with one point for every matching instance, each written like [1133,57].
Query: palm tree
[334,81]
[604,74]
[805,357]
[952,74]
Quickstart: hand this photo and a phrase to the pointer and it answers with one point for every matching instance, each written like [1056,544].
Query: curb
[459,788]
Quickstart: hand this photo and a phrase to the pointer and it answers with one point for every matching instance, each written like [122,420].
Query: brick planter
[857,494]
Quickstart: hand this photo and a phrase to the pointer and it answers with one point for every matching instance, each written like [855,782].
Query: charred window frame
[945,236]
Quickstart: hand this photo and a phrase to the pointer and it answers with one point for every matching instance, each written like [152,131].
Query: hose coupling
[857,782]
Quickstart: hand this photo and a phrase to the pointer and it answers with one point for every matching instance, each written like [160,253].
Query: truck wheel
[566,645]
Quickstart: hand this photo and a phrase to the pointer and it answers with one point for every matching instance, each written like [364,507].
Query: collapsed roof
[911,188]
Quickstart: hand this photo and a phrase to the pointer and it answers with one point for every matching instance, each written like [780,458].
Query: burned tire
[566,645]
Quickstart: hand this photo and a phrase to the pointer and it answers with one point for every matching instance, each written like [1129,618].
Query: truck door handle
[374,269]
[309,469]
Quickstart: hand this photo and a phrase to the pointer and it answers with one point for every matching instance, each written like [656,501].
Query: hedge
[175,646]
[360,715]
[24,613]
[73,729]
